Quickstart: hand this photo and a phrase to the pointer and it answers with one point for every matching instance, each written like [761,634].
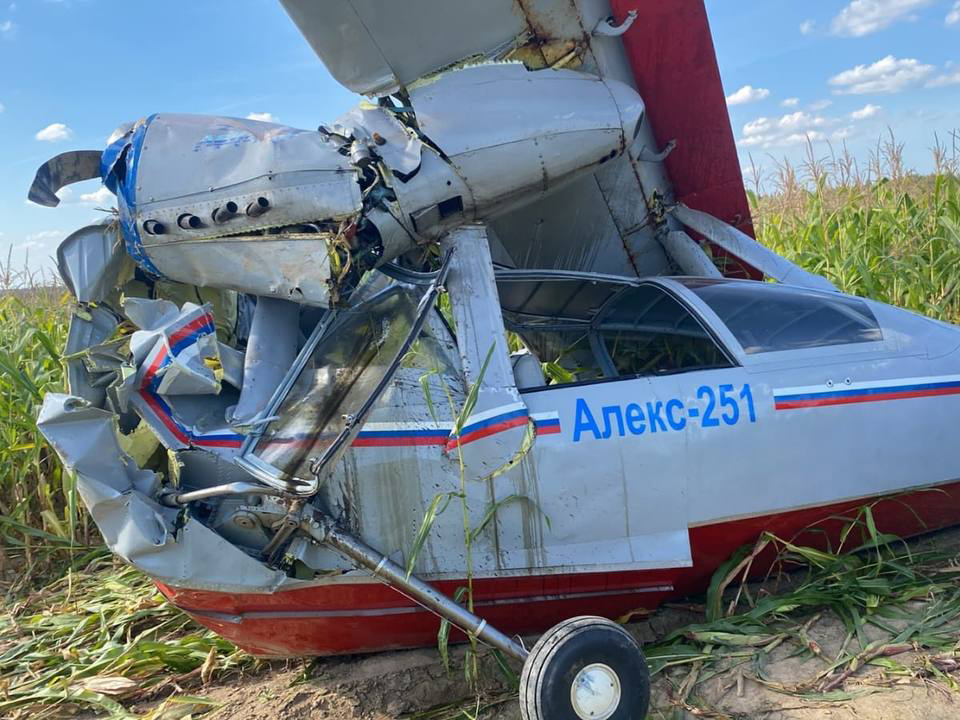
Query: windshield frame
[278,478]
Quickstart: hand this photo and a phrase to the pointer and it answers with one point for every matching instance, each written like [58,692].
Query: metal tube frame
[175,499]
[322,528]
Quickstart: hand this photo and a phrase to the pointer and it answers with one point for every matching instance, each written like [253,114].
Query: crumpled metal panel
[398,146]
[64,169]
[175,389]
[89,261]
[88,328]
[286,266]
[85,438]
[135,527]
[176,356]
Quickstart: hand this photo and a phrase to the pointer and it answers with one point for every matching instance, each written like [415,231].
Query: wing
[616,220]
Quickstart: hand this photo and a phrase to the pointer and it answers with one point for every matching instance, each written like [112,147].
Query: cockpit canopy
[766,317]
[595,327]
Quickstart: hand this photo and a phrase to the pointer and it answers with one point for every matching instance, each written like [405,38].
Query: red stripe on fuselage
[487,431]
[364,615]
[400,441]
[853,399]
[154,366]
[164,417]
[553,429]
[201,322]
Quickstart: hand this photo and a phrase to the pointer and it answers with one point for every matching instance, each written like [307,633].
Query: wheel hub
[595,693]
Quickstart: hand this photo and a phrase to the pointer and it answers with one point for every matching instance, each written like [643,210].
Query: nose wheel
[585,668]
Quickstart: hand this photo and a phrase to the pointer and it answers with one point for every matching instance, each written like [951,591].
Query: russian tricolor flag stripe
[159,359]
[188,334]
[547,423]
[864,392]
[479,426]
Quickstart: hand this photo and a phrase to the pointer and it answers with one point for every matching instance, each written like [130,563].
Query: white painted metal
[749,250]
[482,345]
[271,349]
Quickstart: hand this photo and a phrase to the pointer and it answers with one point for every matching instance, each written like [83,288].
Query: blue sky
[73,70]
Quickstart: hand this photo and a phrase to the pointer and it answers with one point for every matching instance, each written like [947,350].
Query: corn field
[40,520]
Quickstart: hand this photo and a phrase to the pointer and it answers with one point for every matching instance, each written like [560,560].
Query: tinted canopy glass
[646,331]
[765,317]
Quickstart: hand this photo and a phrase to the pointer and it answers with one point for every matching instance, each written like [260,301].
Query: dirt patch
[415,684]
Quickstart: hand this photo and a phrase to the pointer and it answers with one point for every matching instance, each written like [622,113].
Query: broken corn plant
[99,640]
[873,581]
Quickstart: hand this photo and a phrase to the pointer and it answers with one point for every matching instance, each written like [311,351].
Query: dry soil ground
[412,683]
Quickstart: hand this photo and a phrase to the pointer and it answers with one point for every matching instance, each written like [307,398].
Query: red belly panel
[367,617]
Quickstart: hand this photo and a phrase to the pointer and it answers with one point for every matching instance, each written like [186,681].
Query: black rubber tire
[567,648]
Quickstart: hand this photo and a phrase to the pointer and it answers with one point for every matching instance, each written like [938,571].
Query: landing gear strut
[585,668]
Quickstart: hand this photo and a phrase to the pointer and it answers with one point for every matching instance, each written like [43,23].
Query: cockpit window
[648,332]
[765,317]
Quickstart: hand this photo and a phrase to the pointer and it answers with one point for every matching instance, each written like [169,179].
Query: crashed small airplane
[519,277]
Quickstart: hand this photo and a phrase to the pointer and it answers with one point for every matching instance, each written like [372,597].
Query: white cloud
[7,27]
[790,102]
[41,238]
[2,108]
[944,79]
[747,94]
[790,129]
[867,111]
[54,133]
[862,17]
[887,75]
[100,197]
[953,17]
[842,133]
[262,117]
[820,105]
[807,27]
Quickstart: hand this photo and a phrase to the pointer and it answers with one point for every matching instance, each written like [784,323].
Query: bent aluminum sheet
[743,246]
[64,169]
[88,328]
[89,261]
[135,527]
[176,390]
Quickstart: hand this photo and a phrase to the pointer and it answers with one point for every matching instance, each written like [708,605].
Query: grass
[79,630]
